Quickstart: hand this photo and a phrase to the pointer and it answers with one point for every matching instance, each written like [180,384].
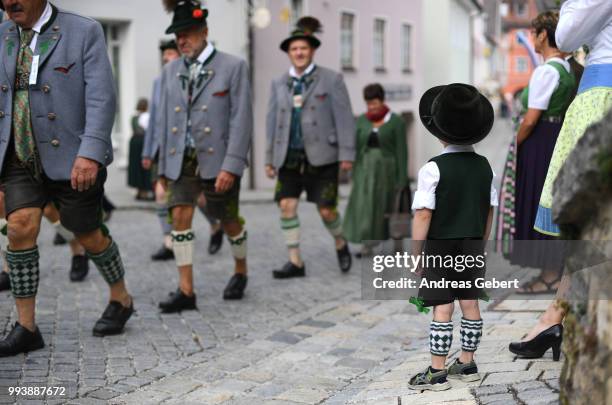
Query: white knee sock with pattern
[291,231]
[334,227]
[471,332]
[440,337]
[182,245]
[238,245]
[64,233]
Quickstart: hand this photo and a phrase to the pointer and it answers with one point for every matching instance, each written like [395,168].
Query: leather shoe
[59,240]
[235,287]
[177,302]
[113,319]
[344,258]
[79,268]
[289,270]
[162,254]
[216,240]
[5,281]
[21,340]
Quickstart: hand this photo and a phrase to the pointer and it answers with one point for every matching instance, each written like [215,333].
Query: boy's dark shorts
[454,248]
[188,187]
[80,211]
[298,175]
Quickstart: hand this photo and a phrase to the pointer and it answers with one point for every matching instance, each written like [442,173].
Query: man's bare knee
[327,213]
[288,207]
[23,228]
[181,217]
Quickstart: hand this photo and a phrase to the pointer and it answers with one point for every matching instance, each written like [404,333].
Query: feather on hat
[305,28]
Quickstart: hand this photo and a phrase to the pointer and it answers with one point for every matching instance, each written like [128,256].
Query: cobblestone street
[305,341]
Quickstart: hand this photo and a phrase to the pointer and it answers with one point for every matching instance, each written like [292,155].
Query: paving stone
[497,399]
[539,397]
[356,363]
[304,395]
[288,337]
[510,377]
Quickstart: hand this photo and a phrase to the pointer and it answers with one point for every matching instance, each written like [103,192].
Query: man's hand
[225,181]
[346,166]
[84,173]
[270,171]
[146,163]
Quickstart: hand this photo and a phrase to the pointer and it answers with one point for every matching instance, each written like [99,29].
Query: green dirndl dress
[379,171]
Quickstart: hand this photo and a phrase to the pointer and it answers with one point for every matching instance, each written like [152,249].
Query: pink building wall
[270,62]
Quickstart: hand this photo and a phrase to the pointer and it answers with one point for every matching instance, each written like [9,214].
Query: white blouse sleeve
[425,196]
[543,83]
[143,120]
[580,21]
[494,198]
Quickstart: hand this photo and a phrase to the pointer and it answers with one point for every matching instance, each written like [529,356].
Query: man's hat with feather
[187,14]
[305,29]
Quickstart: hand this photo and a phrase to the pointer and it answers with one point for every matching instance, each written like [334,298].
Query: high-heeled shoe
[536,347]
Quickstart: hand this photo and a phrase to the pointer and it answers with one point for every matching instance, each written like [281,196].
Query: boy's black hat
[305,29]
[456,113]
[187,14]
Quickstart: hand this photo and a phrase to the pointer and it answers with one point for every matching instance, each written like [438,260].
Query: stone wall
[583,208]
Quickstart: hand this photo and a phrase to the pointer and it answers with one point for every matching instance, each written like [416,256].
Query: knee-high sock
[471,332]
[440,337]
[291,231]
[211,220]
[24,272]
[109,263]
[334,227]
[182,245]
[162,214]
[65,233]
[238,245]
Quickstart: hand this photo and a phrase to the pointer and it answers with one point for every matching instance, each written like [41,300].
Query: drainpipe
[251,61]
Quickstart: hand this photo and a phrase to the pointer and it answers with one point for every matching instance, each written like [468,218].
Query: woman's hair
[374,91]
[547,21]
[142,105]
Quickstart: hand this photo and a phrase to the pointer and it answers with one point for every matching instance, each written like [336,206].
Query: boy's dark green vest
[463,196]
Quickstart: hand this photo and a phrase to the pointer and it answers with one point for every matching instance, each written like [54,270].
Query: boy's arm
[489,225]
[420,229]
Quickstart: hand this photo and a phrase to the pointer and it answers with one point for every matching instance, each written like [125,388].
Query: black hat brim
[174,28]
[483,128]
[314,42]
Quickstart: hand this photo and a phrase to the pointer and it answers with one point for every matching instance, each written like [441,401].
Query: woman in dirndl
[581,22]
[380,170]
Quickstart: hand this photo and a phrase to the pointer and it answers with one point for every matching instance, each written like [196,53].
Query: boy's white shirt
[429,176]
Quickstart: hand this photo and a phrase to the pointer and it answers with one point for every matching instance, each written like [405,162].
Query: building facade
[368,41]
[134,30]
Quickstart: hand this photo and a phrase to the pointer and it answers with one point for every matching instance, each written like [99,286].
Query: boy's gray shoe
[464,371]
[427,380]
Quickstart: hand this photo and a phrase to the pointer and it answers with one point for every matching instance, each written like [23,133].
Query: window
[379,44]
[347,41]
[297,10]
[522,65]
[113,45]
[406,47]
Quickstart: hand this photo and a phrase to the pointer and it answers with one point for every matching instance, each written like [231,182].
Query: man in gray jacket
[57,107]
[150,159]
[310,136]
[205,123]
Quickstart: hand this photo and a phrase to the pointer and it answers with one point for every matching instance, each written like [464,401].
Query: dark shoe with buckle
[177,302]
[162,254]
[113,319]
[5,281]
[79,268]
[344,258]
[216,241]
[21,340]
[235,287]
[290,270]
[535,348]
[59,240]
